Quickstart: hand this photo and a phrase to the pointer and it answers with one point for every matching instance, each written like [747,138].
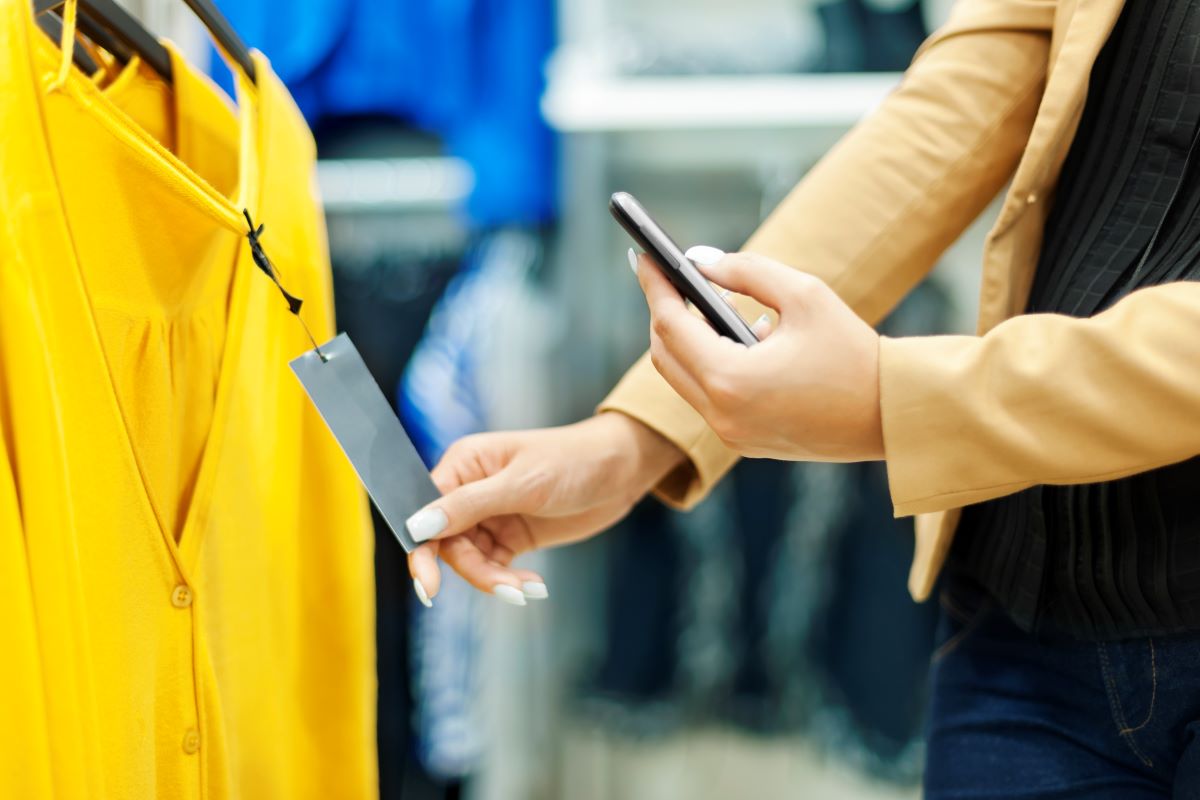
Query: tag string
[254,235]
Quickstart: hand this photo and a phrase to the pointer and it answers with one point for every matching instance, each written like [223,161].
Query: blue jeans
[1013,715]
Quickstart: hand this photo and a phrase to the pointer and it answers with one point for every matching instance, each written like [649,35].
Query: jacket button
[182,596]
[191,741]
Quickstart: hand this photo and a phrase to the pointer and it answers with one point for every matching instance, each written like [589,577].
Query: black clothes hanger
[96,32]
[103,17]
[225,35]
[52,27]
[128,31]
[102,38]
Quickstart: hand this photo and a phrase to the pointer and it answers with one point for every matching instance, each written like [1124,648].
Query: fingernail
[426,523]
[763,320]
[535,590]
[509,594]
[632,261]
[725,294]
[422,595]
[703,254]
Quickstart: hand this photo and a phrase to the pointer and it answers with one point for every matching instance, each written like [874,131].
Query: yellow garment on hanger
[162,320]
[185,555]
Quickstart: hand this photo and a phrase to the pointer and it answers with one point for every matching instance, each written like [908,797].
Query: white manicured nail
[703,254]
[632,261]
[509,594]
[422,595]
[535,590]
[426,523]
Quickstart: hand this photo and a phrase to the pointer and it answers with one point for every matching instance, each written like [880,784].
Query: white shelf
[393,184]
[590,104]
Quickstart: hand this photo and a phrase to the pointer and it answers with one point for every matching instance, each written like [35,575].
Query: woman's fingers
[532,584]
[468,505]
[772,284]
[500,554]
[705,257]
[674,373]
[704,254]
[464,555]
[674,330]
[762,327]
[427,578]
[481,562]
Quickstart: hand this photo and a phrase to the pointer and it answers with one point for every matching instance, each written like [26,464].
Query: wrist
[642,454]
[874,421]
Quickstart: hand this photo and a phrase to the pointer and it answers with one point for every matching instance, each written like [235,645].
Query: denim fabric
[1014,715]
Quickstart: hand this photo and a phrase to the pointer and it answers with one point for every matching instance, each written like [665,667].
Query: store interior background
[763,645]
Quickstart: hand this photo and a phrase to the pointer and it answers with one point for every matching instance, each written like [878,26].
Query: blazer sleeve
[874,215]
[1042,399]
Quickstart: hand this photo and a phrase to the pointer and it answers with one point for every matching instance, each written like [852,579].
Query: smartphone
[679,269]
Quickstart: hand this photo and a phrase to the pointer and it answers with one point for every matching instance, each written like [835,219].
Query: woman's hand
[510,492]
[809,391]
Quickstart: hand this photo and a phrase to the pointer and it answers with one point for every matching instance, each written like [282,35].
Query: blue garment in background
[469,71]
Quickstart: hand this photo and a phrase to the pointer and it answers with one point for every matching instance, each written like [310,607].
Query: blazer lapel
[1086,27]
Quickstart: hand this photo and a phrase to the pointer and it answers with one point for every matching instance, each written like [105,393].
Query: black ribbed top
[1120,558]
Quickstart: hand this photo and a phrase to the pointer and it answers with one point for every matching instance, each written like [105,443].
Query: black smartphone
[679,269]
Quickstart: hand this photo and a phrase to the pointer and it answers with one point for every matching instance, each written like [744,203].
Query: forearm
[1042,399]
[645,398]
[646,456]
[876,213]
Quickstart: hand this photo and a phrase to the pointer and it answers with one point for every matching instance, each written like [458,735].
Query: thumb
[465,507]
[764,280]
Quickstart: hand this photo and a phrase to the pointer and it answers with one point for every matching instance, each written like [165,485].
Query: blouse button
[191,741]
[181,597]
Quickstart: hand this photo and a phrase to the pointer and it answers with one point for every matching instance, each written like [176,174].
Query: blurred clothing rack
[399,210]
[394,184]
[578,103]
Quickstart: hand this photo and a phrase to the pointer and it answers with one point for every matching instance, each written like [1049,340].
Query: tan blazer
[1037,399]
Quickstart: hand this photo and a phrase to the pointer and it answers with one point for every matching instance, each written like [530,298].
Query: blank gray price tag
[368,431]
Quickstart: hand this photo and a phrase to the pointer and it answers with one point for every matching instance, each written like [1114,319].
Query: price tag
[366,427]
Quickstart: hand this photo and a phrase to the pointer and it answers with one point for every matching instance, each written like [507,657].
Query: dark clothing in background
[772,605]
[863,37]
[1120,558]
[384,309]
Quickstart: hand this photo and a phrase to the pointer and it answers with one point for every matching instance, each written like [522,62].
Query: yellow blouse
[161,320]
[185,562]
